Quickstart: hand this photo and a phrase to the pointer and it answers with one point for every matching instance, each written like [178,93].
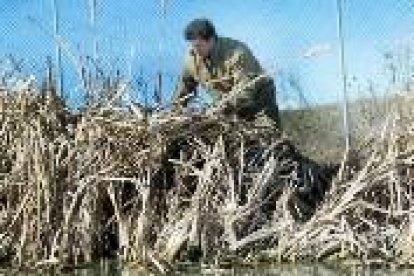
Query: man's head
[202,35]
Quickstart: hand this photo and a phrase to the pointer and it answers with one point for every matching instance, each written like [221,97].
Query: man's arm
[247,76]
[186,86]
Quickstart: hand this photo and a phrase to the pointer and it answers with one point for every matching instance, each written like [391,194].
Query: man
[227,69]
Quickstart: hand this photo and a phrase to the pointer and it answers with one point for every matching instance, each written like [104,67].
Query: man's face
[203,47]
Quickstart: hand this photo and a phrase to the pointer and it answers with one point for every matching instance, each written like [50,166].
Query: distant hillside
[318,130]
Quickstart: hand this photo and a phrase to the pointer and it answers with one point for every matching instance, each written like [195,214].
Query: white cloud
[318,50]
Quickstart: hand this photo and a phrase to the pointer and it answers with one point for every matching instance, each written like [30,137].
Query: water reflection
[113,268]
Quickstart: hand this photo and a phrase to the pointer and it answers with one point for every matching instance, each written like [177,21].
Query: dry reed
[163,188]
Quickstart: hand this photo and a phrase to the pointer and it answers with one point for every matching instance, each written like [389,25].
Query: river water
[112,268]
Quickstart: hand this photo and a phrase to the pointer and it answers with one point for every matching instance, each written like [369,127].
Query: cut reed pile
[164,188]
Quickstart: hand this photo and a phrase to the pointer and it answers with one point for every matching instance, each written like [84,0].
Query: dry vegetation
[160,189]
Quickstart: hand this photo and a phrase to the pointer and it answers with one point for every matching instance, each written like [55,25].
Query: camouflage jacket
[230,67]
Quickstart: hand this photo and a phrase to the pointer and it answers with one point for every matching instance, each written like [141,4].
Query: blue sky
[290,37]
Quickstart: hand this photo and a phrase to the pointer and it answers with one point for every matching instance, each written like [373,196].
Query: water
[112,268]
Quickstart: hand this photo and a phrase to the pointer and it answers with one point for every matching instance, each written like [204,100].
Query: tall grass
[158,189]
